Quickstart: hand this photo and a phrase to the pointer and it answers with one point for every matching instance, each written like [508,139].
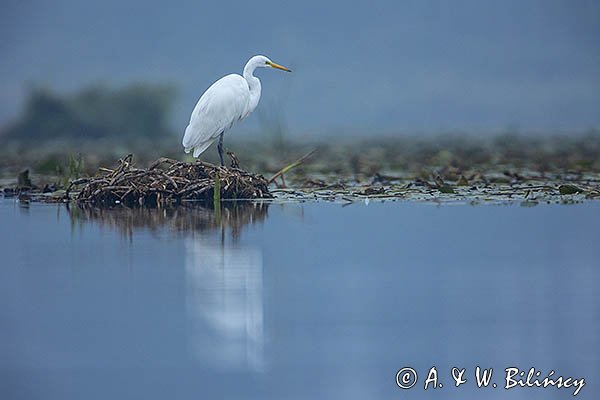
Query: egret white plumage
[230,99]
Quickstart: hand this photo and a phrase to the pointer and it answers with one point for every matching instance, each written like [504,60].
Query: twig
[290,166]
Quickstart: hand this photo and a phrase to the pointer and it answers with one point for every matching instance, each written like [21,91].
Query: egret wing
[224,103]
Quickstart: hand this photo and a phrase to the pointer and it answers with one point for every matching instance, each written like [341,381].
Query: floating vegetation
[532,188]
[167,182]
[171,182]
[436,169]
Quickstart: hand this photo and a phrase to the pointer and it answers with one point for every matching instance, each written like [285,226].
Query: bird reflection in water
[225,303]
[224,279]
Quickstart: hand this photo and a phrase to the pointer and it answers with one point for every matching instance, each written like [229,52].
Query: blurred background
[307,300]
[119,73]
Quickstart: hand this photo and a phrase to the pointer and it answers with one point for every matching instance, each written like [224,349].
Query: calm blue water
[312,301]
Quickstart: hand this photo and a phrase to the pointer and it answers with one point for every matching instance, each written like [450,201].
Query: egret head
[264,62]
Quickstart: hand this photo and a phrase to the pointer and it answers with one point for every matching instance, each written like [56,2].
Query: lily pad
[569,189]
[446,189]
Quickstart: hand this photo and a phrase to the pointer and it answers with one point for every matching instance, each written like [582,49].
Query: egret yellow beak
[281,67]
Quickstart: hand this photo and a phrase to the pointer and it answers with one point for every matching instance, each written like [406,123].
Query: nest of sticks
[166,182]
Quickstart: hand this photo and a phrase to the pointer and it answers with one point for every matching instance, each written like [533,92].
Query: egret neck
[253,82]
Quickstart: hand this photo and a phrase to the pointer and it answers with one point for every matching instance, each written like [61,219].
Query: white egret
[228,100]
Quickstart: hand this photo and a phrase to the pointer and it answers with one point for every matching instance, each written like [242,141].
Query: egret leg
[220,149]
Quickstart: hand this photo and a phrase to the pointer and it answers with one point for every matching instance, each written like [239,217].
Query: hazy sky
[373,65]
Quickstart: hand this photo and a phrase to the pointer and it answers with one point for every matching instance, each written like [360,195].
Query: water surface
[295,301]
